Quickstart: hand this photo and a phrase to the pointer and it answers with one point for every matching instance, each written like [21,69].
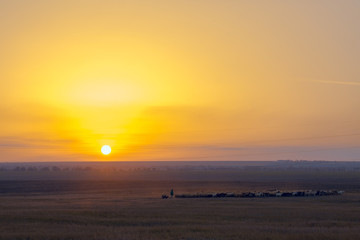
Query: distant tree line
[45,169]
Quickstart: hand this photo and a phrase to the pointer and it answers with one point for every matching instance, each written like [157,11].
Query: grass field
[134,210]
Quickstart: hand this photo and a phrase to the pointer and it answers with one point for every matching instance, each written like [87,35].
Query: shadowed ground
[134,210]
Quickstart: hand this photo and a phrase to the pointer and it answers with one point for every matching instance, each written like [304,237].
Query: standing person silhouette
[171,193]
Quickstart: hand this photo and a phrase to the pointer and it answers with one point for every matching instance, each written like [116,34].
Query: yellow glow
[106,149]
[175,79]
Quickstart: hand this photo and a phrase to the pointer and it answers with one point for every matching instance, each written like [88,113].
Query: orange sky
[179,80]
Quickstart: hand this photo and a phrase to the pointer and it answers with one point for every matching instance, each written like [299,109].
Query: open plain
[133,209]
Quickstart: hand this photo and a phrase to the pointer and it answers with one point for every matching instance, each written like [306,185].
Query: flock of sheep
[306,193]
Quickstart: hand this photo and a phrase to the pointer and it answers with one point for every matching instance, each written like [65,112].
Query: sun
[106,149]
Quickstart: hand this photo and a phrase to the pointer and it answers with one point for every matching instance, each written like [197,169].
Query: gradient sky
[179,80]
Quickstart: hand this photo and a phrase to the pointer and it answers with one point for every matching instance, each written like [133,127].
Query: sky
[179,80]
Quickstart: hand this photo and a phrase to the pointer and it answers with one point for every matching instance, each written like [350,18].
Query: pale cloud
[351,83]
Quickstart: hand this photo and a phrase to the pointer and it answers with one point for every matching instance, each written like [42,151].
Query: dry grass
[130,210]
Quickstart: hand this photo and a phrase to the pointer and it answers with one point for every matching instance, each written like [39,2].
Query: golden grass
[135,211]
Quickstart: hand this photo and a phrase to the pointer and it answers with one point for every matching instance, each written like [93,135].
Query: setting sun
[106,149]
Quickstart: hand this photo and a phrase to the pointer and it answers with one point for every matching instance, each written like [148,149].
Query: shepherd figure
[171,193]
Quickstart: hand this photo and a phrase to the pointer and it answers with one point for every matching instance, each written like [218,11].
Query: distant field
[131,209]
